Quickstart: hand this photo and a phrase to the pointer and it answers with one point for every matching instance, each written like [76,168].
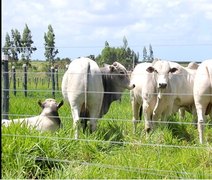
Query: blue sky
[178,30]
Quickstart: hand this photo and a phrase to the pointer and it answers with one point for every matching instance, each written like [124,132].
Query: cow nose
[131,86]
[162,85]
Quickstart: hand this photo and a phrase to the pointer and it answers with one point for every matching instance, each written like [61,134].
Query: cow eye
[122,72]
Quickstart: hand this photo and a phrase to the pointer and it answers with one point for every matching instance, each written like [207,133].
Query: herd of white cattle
[160,89]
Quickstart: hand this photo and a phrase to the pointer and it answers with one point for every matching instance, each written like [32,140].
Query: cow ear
[150,69]
[115,64]
[60,104]
[40,103]
[173,70]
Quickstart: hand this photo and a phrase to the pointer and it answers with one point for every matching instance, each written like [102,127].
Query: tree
[145,57]
[123,54]
[50,51]
[151,56]
[107,44]
[125,42]
[15,44]
[7,45]
[27,42]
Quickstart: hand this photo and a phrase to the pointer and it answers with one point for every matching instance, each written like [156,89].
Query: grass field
[172,151]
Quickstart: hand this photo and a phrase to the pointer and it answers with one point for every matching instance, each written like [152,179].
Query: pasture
[171,151]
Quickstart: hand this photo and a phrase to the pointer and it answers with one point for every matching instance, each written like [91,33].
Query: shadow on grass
[179,130]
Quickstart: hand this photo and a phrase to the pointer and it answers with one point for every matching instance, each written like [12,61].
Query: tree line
[17,44]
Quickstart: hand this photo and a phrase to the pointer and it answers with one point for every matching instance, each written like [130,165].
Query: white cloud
[93,21]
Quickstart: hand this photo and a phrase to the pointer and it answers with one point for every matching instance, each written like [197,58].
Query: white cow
[90,90]
[203,94]
[191,67]
[48,120]
[143,96]
[174,87]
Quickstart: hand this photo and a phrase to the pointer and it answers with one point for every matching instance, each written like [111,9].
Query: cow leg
[147,117]
[194,113]
[200,123]
[181,112]
[135,109]
[93,120]
[76,120]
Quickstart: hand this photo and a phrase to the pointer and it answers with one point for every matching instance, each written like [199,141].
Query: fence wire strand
[111,142]
[149,171]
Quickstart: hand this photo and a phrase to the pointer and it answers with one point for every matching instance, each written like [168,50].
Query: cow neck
[110,92]
[53,115]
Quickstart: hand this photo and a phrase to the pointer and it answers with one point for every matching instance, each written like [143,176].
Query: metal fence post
[53,81]
[14,80]
[56,75]
[5,102]
[25,79]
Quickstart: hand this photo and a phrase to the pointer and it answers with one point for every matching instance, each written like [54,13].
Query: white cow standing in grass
[143,96]
[174,88]
[48,120]
[192,68]
[203,94]
[90,90]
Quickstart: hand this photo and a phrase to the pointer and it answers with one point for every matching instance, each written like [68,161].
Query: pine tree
[15,44]
[50,51]
[107,44]
[144,54]
[125,42]
[151,56]
[7,45]
[27,42]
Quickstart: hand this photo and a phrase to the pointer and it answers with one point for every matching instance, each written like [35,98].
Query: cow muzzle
[131,86]
[162,85]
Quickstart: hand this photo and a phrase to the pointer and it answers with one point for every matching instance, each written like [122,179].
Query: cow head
[50,103]
[162,71]
[120,75]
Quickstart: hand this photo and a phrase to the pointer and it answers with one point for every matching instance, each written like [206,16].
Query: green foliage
[124,55]
[50,51]
[6,49]
[27,42]
[147,57]
[113,151]
[16,45]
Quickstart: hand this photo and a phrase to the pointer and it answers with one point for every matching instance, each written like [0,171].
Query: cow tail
[86,113]
[86,84]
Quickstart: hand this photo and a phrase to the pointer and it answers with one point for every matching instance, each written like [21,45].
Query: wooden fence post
[5,103]
[25,79]
[53,82]
[14,80]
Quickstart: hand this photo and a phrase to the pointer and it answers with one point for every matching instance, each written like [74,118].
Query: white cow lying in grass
[48,120]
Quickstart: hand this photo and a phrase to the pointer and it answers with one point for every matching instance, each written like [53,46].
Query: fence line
[103,92]
[116,120]
[114,167]
[110,142]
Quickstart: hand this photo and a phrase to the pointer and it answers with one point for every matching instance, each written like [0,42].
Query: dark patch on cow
[208,109]
[84,115]
[110,92]
[140,112]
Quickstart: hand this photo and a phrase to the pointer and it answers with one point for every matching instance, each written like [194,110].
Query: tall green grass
[171,151]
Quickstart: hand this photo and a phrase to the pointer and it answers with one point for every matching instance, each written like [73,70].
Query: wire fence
[36,88]
[163,173]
